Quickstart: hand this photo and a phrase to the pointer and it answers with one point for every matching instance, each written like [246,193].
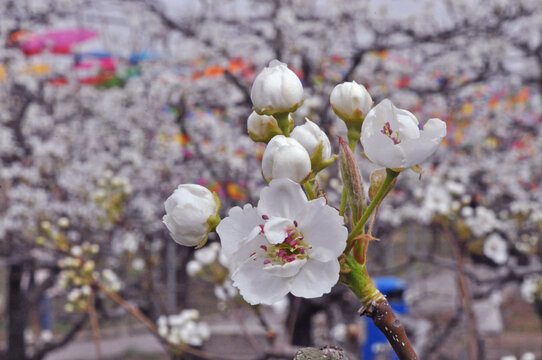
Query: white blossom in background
[482,221]
[391,138]
[496,249]
[208,254]
[111,281]
[531,288]
[191,212]
[184,328]
[285,158]
[276,89]
[283,245]
[193,267]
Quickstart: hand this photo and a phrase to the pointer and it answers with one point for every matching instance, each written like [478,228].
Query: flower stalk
[390,176]
[284,122]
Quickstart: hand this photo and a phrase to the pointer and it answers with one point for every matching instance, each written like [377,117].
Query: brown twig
[384,318]
[150,325]
[94,325]
[474,340]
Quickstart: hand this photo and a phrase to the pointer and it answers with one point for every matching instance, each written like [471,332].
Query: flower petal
[322,228]
[283,198]
[315,279]
[286,270]
[235,229]
[276,229]
[417,150]
[258,286]
[380,149]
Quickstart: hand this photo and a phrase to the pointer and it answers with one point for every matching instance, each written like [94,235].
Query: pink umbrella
[57,41]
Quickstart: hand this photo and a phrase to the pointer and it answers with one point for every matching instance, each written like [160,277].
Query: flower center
[293,247]
[386,130]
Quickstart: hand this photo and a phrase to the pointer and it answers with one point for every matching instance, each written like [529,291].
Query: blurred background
[106,106]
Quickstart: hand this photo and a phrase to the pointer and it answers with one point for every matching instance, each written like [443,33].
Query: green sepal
[352,180]
[212,221]
[317,160]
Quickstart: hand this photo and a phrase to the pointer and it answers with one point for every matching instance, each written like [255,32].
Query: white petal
[235,229]
[381,150]
[283,198]
[276,229]
[287,270]
[258,286]
[315,279]
[323,230]
[417,150]
[408,124]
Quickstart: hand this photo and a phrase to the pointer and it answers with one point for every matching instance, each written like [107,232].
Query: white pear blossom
[391,138]
[495,248]
[285,158]
[286,244]
[191,212]
[263,127]
[351,101]
[183,328]
[312,138]
[276,89]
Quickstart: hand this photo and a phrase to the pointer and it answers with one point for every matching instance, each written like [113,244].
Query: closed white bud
[316,142]
[262,128]
[276,89]
[351,102]
[191,213]
[285,158]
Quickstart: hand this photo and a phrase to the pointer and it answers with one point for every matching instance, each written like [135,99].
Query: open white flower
[391,138]
[191,213]
[285,158]
[495,248]
[286,244]
[276,89]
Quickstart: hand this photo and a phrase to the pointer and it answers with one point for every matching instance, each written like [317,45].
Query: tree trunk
[16,313]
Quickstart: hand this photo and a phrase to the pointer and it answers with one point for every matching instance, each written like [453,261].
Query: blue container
[376,345]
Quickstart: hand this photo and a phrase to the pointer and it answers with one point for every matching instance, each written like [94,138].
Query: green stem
[357,279]
[390,176]
[310,191]
[283,122]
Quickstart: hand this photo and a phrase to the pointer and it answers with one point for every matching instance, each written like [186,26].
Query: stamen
[267,262]
[265,217]
[263,247]
[295,223]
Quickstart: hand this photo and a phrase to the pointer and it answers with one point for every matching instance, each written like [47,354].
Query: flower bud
[276,89]
[191,213]
[391,138]
[261,128]
[285,158]
[317,144]
[351,102]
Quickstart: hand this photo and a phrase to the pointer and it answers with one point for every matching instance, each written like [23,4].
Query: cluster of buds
[276,93]
[54,236]
[110,195]
[184,328]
